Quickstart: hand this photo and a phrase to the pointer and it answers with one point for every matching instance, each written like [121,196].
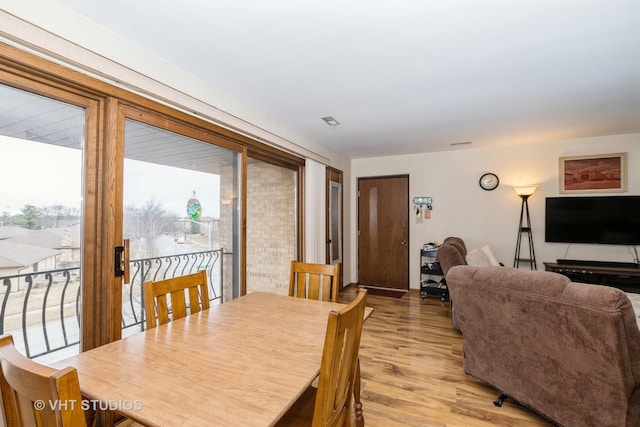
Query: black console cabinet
[625,278]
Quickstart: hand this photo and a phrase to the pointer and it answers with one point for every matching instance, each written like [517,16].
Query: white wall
[462,208]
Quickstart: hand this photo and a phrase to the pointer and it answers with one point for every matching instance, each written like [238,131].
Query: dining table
[240,363]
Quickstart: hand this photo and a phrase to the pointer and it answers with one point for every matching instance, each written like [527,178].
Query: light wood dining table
[241,363]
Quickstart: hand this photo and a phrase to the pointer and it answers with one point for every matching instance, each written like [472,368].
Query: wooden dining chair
[314,281]
[37,395]
[176,289]
[330,405]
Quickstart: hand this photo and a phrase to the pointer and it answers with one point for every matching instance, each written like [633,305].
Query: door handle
[403,243]
[117,264]
[121,264]
[125,268]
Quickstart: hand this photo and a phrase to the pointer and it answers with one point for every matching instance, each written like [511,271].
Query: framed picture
[596,173]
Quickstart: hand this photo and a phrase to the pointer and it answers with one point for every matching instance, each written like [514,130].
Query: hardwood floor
[411,361]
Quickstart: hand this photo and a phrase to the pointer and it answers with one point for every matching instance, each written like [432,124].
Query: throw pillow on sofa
[477,258]
[482,257]
[492,259]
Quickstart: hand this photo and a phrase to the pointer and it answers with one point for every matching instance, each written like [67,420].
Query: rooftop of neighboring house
[9,231]
[16,255]
[55,238]
[21,247]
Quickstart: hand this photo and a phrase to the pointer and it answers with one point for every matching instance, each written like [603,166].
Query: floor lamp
[525,227]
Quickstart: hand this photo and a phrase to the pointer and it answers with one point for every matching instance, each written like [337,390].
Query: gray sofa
[570,351]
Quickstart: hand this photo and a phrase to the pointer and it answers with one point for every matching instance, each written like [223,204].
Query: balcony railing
[165,267]
[42,309]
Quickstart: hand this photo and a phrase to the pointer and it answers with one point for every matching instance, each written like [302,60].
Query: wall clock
[489,181]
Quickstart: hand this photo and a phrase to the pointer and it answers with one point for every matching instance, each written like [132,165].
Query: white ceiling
[405,76]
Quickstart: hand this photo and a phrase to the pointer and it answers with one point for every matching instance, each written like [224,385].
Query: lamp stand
[525,228]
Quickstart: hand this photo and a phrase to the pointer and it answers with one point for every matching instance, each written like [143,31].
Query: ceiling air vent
[330,121]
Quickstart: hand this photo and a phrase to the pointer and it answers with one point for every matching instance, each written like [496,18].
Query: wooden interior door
[383,232]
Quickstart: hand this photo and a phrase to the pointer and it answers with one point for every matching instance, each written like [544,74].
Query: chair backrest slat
[176,289]
[314,281]
[179,304]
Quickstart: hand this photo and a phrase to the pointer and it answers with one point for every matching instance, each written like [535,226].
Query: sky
[43,174]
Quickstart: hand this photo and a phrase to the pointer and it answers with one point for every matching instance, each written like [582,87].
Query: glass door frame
[170,124]
[91,330]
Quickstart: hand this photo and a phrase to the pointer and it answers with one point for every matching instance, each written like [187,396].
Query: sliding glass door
[41,216]
[180,209]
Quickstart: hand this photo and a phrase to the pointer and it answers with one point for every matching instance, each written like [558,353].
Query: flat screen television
[609,220]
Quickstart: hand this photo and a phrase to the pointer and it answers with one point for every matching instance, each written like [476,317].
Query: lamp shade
[526,190]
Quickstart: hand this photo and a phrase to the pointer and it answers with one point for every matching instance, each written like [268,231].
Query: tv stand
[622,275]
[612,264]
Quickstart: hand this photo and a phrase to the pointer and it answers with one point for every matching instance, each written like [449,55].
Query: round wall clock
[489,181]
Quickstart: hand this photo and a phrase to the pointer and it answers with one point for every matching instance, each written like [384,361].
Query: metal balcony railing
[42,309]
[165,267]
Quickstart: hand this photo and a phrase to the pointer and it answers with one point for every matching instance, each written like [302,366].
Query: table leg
[357,405]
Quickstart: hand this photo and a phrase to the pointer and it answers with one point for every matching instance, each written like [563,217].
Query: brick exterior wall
[271,226]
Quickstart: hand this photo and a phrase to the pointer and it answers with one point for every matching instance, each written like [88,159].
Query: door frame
[335,175]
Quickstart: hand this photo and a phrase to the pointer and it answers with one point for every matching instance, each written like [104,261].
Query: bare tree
[52,215]
[146,225]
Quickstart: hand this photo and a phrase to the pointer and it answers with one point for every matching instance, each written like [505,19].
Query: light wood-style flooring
[412,375]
